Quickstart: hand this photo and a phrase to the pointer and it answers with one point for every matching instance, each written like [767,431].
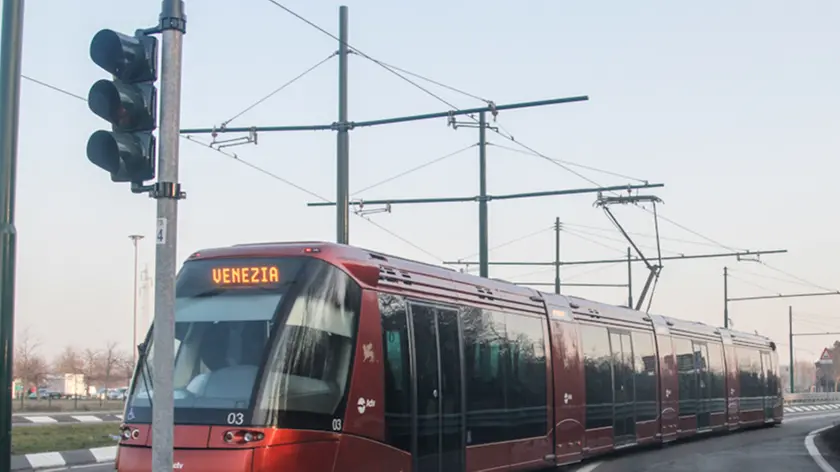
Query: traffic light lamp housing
[128,102]
[129,59]
[129,157]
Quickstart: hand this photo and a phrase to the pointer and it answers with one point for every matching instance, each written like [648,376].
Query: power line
[759,286]
[430,93]
[569,163]
[796,277]
[512,241]
[770,277]
[593,241]
[259,169]
[645,246]
[436,257]
[439,84]
[53,87]
[414,169]
[280,88]
[360,52]
[645,235]
[510,138]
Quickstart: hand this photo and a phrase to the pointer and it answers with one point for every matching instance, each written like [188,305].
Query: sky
[733,106]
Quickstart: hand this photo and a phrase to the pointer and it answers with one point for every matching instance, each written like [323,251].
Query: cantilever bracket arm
[512,196]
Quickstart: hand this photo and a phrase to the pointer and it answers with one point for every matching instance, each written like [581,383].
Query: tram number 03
[235,418]
[336,424]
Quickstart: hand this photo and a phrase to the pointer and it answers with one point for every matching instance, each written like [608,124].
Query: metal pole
[629,278]
[135,238]
[343,140]
[483,251]
[790,343]
[725,297]
[167,192]
[10,55]
[557,255]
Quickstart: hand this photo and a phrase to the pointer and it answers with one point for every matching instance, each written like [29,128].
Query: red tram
[323,357]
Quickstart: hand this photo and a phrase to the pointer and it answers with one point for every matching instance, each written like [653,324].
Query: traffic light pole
[167,191]
[10,52]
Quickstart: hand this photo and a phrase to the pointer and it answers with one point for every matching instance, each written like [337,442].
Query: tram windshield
[242,350]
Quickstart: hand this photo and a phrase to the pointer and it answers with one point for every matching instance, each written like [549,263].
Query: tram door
[704,387]
[624,391]
[766,385]
[439,427]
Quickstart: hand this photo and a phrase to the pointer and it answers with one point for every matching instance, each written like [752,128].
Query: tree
[90,367]
[29,365]
[70,361]
[125,367]
[110,360]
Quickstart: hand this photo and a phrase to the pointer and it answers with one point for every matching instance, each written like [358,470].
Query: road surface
[779,448]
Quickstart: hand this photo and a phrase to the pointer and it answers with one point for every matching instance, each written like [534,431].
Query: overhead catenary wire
[759,286]
[512,241]
[570,163]
[60,90]
[507,136]
[430,93]
[644,235]
[573,275]
[264,171]
[807,282]
[770,277]
[414,169]
[359,52]
[439,84]
[279,89]
[593,241]
[601,236]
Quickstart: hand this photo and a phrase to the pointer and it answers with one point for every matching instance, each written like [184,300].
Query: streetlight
[135,239]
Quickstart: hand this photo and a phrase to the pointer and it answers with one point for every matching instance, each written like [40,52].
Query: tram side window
[717,377]
[773,385]
[526,386]
[597,368]
[749,369]
[767,374]
[397,371]
[645,373]
[687,376]
[485,351]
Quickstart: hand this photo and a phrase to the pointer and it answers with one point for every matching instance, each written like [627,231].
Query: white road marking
[592,466]
[47,459]
[41,419]
[815,453]
[87,419]
[104,454]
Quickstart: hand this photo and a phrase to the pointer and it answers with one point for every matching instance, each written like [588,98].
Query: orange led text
[246,275]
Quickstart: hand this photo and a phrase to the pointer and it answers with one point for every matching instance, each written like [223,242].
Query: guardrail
[817,397]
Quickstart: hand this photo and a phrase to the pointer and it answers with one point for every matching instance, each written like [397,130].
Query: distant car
[44,393]
[117,393]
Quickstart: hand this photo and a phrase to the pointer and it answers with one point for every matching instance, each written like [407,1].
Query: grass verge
[62,437]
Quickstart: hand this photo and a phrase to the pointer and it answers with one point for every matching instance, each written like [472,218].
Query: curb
[45,460]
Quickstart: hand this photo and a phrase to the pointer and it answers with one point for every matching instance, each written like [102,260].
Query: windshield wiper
[145,373]
[209,293]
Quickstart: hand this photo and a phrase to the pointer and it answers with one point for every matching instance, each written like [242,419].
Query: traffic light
[128,102]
